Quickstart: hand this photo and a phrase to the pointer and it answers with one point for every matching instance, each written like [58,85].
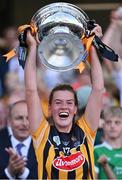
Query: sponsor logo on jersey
[69,163]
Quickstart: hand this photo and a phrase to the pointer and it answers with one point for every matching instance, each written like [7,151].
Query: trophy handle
[22,53]
[104,50]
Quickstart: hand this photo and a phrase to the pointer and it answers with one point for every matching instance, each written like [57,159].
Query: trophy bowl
[60,27]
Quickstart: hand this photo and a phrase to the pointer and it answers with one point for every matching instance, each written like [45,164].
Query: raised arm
[32,97]
[112,38]
[94,105]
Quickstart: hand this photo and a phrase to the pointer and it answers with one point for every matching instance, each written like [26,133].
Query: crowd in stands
[108,143]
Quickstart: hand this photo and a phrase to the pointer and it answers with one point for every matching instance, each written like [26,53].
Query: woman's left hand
[97,31]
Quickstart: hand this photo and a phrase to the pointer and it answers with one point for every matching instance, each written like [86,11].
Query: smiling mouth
[24,130]
[63,115]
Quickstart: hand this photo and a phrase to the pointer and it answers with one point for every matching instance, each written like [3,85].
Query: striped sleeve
[41,132]
[82,123]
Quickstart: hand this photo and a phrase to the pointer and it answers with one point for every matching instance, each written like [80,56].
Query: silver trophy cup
[60,27]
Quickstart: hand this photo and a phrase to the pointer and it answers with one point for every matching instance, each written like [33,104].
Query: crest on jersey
[56,139]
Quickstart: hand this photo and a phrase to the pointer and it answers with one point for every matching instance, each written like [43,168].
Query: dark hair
[63,87]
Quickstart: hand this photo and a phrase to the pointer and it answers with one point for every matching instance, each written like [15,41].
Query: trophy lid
[60,13]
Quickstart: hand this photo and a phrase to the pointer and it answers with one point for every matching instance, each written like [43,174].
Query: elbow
[30,92]
[98,93]
[99,89]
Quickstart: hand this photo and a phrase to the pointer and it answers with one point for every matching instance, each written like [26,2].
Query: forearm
[112,36]
[30,70]
[108,172]
[108,35]
[96,72]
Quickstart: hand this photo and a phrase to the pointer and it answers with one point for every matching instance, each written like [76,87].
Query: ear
[49,110]
[76,109]
[9,121]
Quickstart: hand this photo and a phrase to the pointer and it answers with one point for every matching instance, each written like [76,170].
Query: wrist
[32,46]
[22,171]
[25,173]
[115,25]
[105,164]
[10,171]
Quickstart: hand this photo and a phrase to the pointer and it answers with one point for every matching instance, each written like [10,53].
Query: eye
[57,102]
[117,122]
[70,102]
[108,122]
[19,117]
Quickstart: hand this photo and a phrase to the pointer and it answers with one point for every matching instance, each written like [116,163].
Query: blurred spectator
[11,82]
[11,37]
[3,66]
[83,88]
[113,38]
[11,41]
[2,43]
[58,77]
[14,89]
[3,115]
[83,94]
[3,71]
[107,155]
[111,96]
[17,158]
[83,79]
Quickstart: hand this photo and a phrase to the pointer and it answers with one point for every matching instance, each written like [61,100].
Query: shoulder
[83,124]
[4,131]
[102,147]
[4,138]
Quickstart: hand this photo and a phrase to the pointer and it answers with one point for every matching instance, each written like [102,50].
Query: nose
[64,105]
[25,121]
[112,125]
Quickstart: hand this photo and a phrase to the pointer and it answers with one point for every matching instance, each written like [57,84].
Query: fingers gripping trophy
[63,30]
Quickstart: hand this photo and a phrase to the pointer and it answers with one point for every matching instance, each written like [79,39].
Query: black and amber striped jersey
[65,155]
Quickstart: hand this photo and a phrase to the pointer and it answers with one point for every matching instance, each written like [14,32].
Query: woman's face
[63,109]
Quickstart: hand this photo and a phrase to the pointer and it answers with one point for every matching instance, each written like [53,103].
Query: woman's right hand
[30,39]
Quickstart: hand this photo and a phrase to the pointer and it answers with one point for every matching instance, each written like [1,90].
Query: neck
[63,129]
[115,143]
